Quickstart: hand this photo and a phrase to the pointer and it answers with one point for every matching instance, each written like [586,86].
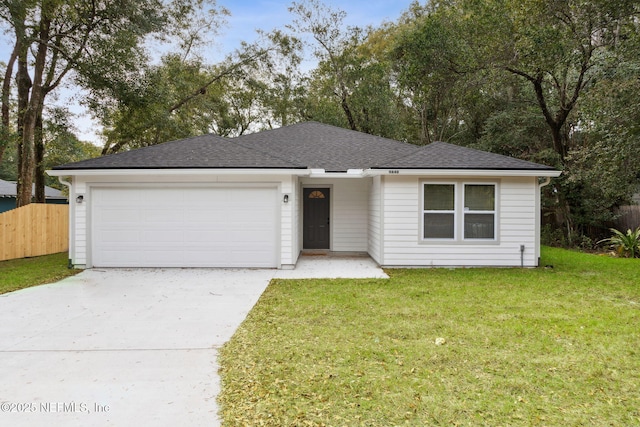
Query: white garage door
[184,227]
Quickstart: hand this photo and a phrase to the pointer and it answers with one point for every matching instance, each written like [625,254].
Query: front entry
[316,218]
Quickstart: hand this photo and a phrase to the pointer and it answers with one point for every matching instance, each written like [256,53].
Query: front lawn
[548,347]
[23,273]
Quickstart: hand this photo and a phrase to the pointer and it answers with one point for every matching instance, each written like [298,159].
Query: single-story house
[259,200]
[8,195]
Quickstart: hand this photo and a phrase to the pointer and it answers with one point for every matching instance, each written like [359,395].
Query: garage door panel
[203,216]
[118,236]
[162,215]
[184,227]
[170,236]
[117,216]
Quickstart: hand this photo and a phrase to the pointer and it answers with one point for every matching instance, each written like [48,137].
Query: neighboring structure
[8,195]
[258,200]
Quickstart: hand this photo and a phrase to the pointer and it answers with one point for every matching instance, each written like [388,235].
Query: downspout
[547,180]
[545,183]
[71,222]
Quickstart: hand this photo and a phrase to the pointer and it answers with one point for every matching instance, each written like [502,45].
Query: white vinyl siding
[288,222]
[295,222]
[404,245]
[375,220]
[381,215]
[79,234]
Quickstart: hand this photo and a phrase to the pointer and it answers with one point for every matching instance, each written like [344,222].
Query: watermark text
[53,407]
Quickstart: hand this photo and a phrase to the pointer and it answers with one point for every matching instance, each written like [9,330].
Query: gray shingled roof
[304,145]
[8,189]
[332,148]
[205,151]
[440,155]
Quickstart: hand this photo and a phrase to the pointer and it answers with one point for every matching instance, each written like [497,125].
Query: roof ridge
[417,147]
[308,144]
[325,125]
[361,132]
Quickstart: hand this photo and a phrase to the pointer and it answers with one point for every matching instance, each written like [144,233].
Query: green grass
[23,273]
[548,347]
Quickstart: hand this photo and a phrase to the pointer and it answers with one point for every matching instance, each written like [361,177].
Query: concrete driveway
[121,347]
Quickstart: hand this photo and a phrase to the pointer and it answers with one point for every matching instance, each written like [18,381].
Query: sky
[247,16]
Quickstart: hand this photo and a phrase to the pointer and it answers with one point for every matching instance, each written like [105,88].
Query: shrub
[625,244]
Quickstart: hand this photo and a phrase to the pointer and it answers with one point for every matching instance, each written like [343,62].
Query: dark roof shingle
[441,155]
[332,148]
[303,145]
[205,151]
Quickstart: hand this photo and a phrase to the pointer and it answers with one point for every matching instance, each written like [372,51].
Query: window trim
[466,212]
[460,213]
[425,211]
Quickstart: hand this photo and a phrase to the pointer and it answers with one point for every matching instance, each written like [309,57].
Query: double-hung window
[439,214]
[479,211]
[459,211]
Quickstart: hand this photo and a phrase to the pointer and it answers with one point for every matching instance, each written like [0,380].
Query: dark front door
[316,218]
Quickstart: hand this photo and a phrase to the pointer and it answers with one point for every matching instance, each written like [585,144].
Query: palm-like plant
[625,244]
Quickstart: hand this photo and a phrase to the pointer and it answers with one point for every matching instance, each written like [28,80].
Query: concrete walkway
[123,347]
[321,265]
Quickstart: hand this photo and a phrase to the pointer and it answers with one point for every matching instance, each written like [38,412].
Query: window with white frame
[479,211]
[439,216]
[459,211]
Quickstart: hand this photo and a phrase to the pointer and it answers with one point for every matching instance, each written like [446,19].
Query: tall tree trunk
[5,132]
[347,111]
[27,164]
[24,83]
[26,161]
[554,121]
[39,160]
[425,134]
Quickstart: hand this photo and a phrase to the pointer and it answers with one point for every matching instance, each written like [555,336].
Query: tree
[556,47]
[92,40]
[7,134]
[428,61]
[447,89]
[62,146]
[605,161]
[183,96]
[563,51]
[351,86]
[325,27]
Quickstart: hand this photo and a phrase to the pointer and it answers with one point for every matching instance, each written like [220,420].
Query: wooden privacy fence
[629,218]
[33,230]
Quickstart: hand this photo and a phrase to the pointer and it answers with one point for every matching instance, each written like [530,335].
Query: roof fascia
[312,173]
[463,172]
[175,172]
